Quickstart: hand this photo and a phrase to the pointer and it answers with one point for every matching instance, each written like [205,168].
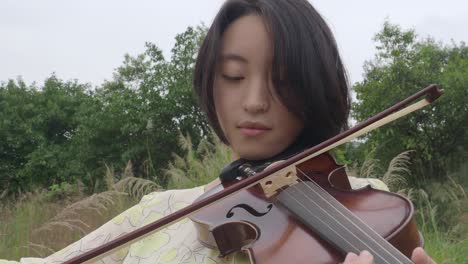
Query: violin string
[334,231]
[327,225]
[345,217]
[338,222]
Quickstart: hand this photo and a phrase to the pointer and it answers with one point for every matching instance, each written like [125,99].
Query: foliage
[402,66]
[138,113]
[133,186]
[36,129]
[57,223]
[441,210]
[67,132]
[38,224]
[63,190]
[443,249]
[437,134]
[198,165]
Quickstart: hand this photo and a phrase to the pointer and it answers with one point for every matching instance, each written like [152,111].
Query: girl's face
[254,120]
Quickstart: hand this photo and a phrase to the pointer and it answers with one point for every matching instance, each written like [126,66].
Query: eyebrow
[234,57]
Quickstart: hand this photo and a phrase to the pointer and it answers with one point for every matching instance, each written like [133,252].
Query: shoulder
[157,204]
[181,195]
[150,208]
[357,183]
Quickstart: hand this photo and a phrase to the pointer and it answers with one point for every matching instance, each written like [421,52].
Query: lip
[251,129]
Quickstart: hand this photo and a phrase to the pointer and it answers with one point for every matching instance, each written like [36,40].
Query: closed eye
[232,78]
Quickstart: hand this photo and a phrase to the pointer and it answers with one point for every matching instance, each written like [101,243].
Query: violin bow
[430,93]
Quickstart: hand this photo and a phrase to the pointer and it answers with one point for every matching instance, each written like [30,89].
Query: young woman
[271,82]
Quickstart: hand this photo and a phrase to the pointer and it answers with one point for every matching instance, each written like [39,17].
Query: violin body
[269,233]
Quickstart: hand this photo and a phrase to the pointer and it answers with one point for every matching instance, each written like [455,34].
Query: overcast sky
[87,39]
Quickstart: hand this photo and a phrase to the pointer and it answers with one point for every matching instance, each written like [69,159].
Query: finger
[419,256]
[350,258]
[364,258]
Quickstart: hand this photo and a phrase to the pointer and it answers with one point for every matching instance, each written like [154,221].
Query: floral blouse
[175,244]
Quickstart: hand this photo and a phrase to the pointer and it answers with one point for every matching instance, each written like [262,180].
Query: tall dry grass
[36,225]
[199,165]
[441,207]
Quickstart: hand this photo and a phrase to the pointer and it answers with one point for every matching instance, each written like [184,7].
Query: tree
[36,130]
[189,117]
[18,139]
[139,113]
[403,65]
[64,131]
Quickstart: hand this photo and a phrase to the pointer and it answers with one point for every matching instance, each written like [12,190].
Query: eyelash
[232,78]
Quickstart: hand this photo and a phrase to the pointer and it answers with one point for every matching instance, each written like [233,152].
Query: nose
[256,97]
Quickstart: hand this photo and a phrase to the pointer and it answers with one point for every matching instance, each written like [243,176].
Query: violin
[300,211]
[315,217]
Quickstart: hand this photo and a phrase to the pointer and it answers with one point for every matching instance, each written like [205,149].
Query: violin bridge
[273,183]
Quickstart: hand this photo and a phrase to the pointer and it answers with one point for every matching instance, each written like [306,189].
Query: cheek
[221,107]
[291,125]
[225,99]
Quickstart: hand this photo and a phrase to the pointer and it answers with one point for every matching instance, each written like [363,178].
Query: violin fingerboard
[327,217]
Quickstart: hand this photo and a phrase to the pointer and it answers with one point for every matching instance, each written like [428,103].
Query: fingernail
[351,256]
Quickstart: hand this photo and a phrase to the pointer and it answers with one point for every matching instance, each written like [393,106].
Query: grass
[444,222]
[445,231]
[441,208]
[200,164]
[18,220]
[38,224]
[444,250]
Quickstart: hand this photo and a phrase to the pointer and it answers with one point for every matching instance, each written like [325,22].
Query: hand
[364,258]
[418,257]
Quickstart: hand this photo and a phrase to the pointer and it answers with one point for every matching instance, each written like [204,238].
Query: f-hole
[249,209]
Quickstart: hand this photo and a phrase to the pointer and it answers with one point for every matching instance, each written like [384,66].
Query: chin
[256,155]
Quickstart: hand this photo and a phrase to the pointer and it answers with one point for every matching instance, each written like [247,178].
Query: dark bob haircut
[313,80]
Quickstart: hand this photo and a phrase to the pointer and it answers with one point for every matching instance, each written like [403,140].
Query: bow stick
[398,110]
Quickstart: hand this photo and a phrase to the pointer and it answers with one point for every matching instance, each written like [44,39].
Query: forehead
[247,37]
